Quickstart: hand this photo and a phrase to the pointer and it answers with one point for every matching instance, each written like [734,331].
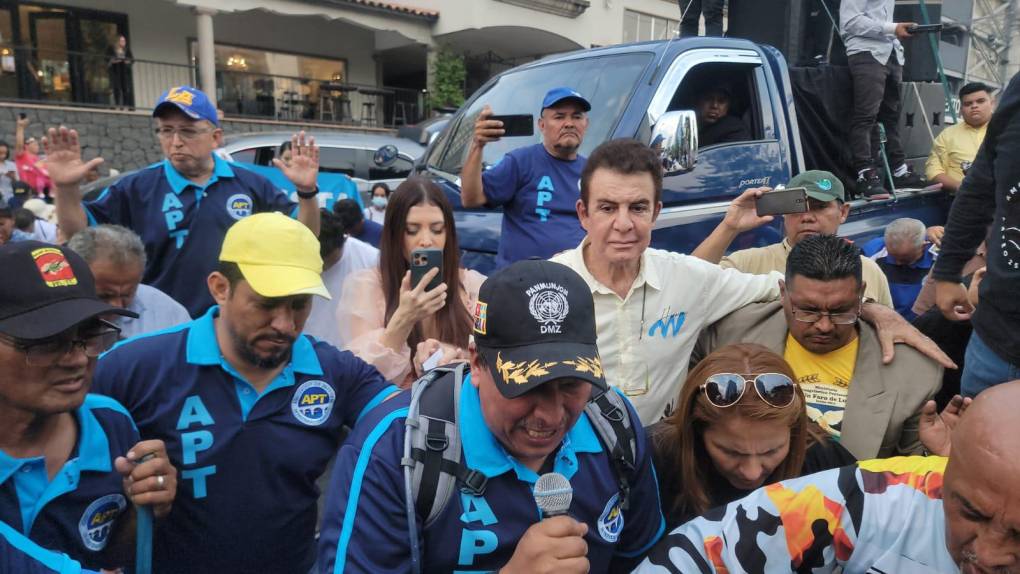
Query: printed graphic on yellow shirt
[825,380]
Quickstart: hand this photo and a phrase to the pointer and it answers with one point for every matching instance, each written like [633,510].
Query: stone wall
[124,139]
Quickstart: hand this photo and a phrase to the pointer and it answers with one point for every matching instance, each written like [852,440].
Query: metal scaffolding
[993,33]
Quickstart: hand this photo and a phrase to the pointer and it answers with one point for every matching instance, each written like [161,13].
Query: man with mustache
[904,515]
[827,210]
[71,464]
[536,185]
[872,408]
[521,414]
[715,124]
[182,206]
[250,408]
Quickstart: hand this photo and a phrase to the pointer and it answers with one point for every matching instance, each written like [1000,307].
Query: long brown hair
[681,436]
[453,320]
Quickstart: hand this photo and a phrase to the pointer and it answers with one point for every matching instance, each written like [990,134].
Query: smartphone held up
[423,261]
[782,201]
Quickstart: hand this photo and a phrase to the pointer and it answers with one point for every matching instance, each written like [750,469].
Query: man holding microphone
[523,405]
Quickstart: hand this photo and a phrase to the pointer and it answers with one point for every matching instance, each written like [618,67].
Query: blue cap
[557,95]
[192,101]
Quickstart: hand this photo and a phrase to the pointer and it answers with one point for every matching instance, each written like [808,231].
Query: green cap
[820,185]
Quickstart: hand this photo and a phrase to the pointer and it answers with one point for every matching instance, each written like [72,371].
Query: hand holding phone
[780,202]
[424,260]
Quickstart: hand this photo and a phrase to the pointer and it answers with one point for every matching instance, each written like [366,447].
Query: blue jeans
[983,368]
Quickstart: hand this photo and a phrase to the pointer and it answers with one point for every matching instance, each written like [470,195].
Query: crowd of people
[196,345]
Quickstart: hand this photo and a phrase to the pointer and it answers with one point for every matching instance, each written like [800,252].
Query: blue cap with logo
[557,95]
[820,185]
[192,101]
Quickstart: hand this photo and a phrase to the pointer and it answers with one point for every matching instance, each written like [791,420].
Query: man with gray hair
[905,256]
[116,257]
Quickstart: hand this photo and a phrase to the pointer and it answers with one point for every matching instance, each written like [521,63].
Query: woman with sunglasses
[740,423]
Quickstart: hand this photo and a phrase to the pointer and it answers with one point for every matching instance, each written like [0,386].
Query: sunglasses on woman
[725,389]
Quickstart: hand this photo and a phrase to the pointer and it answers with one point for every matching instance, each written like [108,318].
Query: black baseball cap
[47,289]
[534,323]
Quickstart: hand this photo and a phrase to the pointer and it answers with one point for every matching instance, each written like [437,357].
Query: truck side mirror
[675,139]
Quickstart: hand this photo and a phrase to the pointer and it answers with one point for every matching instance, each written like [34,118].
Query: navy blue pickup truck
[646,91]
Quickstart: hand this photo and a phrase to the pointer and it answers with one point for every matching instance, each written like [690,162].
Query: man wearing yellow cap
[251,409]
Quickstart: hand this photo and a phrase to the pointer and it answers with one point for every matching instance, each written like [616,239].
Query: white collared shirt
[678,296]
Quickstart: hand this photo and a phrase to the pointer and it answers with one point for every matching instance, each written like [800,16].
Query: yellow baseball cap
[277,255]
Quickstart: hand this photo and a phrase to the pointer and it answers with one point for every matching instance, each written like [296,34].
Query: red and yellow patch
[714,549]
[54,268]
[923,474]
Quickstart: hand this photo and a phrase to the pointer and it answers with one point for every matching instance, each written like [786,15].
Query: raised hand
[303,170]
[742,214]
[487,130]
[63,158]
[936,429]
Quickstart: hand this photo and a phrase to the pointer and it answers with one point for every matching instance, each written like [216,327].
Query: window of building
[57,53]
[253,81]
[641,27]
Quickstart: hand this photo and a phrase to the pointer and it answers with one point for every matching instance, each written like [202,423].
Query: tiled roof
[395,7]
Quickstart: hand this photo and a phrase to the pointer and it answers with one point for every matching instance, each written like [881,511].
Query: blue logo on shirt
[669,325]
[611,521]
[97,521]
[313,402]
[239,206]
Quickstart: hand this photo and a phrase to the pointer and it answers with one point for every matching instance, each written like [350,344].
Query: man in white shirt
[650,304]
[116,257]
[43,228]
[341,256]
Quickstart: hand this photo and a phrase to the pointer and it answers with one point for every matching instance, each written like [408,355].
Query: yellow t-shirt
[825,380]
[954,148]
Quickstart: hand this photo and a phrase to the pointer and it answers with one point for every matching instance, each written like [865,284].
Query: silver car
[353,154]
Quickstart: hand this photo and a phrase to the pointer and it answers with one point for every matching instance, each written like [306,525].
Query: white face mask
[379,202]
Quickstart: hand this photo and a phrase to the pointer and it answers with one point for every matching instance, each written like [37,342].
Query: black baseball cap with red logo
[46,290]
[535,323]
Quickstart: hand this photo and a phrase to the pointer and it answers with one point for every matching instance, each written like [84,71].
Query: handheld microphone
[553,494]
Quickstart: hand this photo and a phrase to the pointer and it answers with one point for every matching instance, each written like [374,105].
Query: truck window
[606,81]
[340,160]
[726,100]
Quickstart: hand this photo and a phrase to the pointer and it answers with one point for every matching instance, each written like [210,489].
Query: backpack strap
[608,413]
[432,446]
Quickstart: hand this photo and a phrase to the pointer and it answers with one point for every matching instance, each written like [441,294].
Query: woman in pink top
[31,169]
[392,324]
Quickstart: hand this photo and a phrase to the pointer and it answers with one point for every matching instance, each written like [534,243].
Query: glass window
[640,27]
[400,168]
[8,65]
[341,160]
[630,26]
[244,155]
[606,81]
[251,81]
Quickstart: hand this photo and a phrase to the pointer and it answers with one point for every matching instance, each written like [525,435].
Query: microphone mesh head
[553,494]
